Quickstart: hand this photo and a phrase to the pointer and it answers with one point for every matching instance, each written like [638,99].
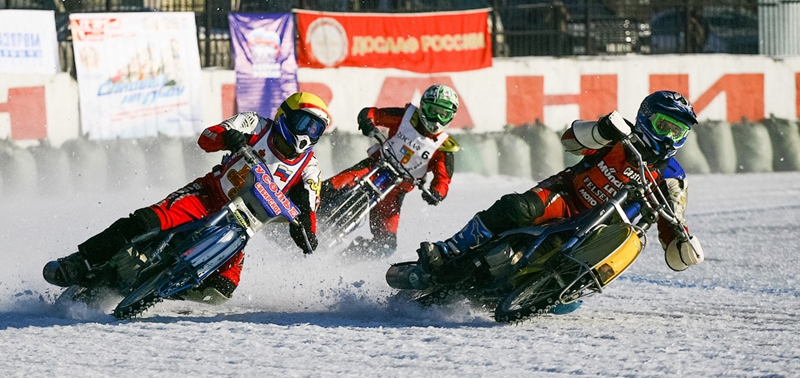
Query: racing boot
[67,271]
[408,277]
[433,256]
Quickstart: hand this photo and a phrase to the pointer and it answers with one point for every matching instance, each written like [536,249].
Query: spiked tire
[143,297]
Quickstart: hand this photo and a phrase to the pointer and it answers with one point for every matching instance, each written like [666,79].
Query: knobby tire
[143,297]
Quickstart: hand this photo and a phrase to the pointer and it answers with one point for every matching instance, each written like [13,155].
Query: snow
[321,315]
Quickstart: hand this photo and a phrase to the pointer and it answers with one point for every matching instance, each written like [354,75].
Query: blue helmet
[663,122]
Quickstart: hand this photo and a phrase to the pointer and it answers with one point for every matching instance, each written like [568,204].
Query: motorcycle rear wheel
[143,297]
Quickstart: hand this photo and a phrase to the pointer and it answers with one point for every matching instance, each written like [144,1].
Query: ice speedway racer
[164,264]
[551,267]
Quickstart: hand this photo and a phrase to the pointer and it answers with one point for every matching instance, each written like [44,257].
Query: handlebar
[651,193]
[252,158]
[394,161]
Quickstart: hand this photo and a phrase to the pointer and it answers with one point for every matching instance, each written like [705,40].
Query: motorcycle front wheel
[536,296]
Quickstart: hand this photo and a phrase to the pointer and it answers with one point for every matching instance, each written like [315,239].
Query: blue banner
[264,60]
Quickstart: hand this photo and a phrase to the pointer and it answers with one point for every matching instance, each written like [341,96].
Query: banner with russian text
[28,42]
[264,60]
[419,42]
[138,74]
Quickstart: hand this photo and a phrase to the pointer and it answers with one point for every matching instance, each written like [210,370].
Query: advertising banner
[138,74]
[28,42]
[264,60]
[420,42]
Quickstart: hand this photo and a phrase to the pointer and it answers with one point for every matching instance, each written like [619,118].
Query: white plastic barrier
[88,165]
[716,141]
[785,144]
[514,156]
[691,157]
[53,170]
[468,158]
[546,150]
[18,170]
[165,157]
[127,164]
[347,149]
[753,147]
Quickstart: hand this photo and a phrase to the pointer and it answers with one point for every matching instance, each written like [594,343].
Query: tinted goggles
[664,125]
[304,123]
[433,111]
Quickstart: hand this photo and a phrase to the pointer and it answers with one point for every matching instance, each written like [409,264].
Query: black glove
[365,123]
[431,197]
[233,139]
[296,231]
[366,126]
[611,131]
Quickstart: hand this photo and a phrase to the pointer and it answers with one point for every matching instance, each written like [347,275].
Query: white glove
[245,122]
[681,255]
[606,130]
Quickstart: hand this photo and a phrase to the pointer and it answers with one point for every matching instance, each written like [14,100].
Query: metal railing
[520,28]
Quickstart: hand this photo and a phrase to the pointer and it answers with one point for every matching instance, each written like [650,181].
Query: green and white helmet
[437,108]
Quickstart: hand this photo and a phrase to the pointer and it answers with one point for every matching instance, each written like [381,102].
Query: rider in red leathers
[284,142]
[417,135]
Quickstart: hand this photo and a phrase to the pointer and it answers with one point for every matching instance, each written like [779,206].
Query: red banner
[420,42]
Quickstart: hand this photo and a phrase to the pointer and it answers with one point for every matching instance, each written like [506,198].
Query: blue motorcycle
[165,264]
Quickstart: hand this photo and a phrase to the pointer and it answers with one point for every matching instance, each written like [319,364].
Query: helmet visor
[305,123]
[664,125]
[438,113]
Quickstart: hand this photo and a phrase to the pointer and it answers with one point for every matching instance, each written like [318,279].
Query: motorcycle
[164,264]
[346,210]
[547,268]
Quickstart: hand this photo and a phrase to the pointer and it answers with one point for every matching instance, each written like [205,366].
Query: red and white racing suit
[298,177]
[420,153]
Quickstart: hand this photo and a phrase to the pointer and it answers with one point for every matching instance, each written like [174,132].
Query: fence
[520,28]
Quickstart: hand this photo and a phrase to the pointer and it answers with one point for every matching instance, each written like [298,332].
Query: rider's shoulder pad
[449,145]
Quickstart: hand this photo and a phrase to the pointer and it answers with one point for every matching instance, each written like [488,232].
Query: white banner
[556,91]
[28,42]
[138,74]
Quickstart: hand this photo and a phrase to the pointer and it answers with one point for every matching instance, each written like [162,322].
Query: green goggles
[665,125]
[437,112]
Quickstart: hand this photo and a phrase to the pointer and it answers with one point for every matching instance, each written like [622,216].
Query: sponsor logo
[327,41]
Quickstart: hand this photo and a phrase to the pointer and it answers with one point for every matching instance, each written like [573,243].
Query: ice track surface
[735,315]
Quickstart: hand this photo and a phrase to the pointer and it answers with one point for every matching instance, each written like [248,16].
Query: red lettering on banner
[229,101]
[28,111]
[398,91]
[744,94]
[525,98]
[797,94]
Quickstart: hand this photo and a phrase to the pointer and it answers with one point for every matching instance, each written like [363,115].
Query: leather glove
[296,231]
[233,139]
[431,197]
[366,126]
[613,127]
[683,254]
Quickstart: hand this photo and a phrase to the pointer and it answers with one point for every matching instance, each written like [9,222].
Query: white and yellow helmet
[302,119]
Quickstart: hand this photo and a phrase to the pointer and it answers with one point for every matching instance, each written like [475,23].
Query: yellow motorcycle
[548,268]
